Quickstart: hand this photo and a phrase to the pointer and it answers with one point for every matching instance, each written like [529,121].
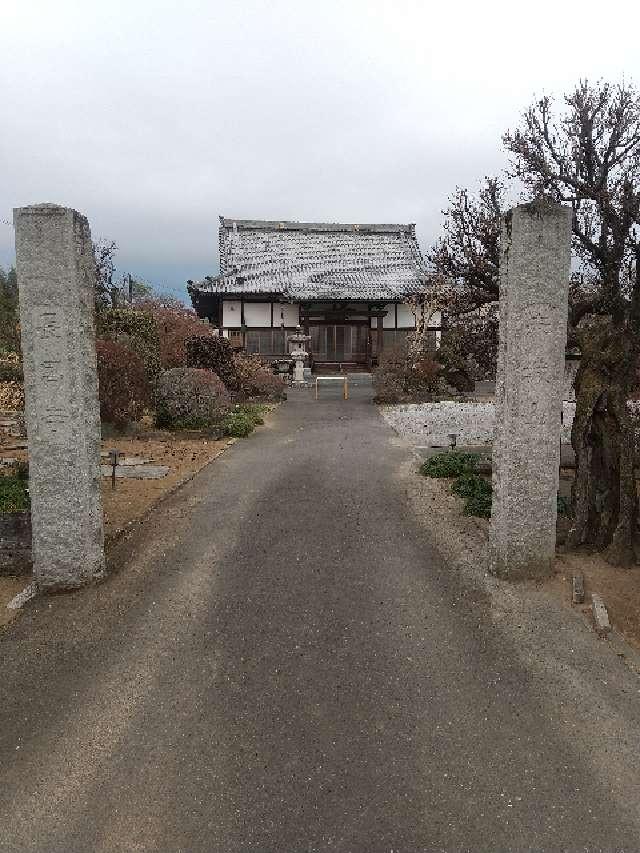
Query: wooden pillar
[380,335]
[220,313]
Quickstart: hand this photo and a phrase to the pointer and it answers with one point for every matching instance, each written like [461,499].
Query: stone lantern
[299,354]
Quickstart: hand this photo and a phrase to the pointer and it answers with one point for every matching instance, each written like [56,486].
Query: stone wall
[429,424]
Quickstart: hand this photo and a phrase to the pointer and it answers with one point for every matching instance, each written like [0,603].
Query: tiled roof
[316,260]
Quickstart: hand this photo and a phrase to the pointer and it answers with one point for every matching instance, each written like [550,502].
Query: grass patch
[14,494]
[450,464]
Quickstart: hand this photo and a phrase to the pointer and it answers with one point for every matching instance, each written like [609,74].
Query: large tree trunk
[604,492]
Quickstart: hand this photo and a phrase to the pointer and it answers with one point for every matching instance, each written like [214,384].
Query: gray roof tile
[317,260]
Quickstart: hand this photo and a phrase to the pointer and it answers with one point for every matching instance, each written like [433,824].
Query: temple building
[347,286]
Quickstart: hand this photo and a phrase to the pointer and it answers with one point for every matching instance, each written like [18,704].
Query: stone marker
[534,283]
[56,284]
[577,589]
[600,615]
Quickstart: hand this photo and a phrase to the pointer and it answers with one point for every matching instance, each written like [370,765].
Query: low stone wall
[429,424]
[15,543]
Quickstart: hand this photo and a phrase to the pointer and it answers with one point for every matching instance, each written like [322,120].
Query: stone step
[136,472]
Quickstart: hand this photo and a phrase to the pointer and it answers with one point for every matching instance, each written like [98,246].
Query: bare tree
[105,252]
[468,253]
[434,296]
[467,256]
[588,156]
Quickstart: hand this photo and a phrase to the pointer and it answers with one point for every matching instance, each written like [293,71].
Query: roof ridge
[295,225]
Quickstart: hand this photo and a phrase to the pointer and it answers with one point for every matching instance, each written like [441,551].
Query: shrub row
[157,355]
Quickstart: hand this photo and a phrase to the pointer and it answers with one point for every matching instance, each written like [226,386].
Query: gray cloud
[154,117]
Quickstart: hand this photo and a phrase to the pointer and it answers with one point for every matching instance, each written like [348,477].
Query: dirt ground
[132,499]
[466,539]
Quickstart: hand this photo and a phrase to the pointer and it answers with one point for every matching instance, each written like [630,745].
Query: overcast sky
[153,118]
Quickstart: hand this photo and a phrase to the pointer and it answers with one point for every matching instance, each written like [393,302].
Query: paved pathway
[285,664]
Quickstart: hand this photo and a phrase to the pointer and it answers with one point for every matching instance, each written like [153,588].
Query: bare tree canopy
[468,252]
[588,155]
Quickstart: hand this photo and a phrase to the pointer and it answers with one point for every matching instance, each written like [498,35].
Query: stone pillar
[56,284]
[534,286]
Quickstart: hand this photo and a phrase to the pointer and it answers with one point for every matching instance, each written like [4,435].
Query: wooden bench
[344,379]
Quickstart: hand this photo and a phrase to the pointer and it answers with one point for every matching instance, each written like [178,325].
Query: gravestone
[56,284]
[534,285]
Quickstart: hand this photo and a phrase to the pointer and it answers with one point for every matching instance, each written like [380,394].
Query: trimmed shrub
[213,353]
[136,331]
[14,494]
[124,388]
[190,398]
[256,379]
[174,324]
[451,464]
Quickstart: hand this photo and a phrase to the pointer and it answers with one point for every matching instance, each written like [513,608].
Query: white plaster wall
[291,314]
[257,314]
[231,313]
[390,318]
[406,317]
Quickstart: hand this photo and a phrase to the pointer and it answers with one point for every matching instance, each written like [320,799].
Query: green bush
[467,485]
[477,494]
[450,464]
[14,494]
[243,420]
[564,505]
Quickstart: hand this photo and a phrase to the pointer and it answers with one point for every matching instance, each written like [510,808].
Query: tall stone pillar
[534,286]
[56,283]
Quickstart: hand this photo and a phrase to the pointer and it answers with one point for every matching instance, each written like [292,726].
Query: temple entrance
[340,343]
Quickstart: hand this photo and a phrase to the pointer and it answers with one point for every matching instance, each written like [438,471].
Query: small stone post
[56,284]
[534,287]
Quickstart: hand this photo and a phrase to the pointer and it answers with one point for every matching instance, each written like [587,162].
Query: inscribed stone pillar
[56,283]
[534,285]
